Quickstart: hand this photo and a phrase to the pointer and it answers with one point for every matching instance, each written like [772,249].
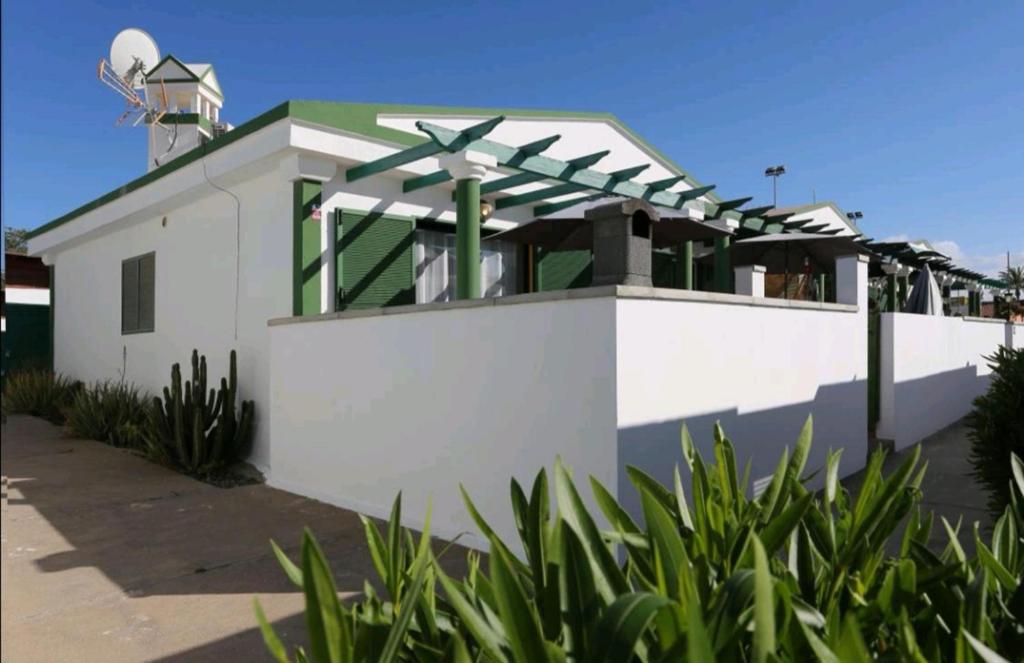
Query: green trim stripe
[306,263]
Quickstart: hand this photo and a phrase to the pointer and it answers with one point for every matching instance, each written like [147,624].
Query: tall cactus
[197,429]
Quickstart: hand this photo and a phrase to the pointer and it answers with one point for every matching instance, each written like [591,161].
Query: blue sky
[911,112]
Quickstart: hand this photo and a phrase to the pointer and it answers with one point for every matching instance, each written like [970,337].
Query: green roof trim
[170,58]
[357,118]
[192,76]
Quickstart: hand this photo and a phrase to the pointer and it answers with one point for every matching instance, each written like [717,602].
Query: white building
[342,218]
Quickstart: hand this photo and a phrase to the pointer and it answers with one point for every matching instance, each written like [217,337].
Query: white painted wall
[194,293]
[420,399]
[931,369]
[758,370]
[419,402]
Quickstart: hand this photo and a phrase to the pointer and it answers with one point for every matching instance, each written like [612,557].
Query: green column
[821,287]
[722,270]
[892,305]
[467,238]
[903,281]
[685,265]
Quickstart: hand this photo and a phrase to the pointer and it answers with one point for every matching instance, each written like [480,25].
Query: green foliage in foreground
[39,393]
[709,575]
[996,426]
[200,431]
[113,412]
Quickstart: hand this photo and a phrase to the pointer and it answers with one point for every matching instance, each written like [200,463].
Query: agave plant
[709,574]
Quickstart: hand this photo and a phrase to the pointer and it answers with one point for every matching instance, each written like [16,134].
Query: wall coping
[960,318]
[616,291]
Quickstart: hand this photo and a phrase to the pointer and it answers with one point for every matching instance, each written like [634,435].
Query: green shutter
[663,270]
[130,296]
[306,266]
[376,262]
[561,270]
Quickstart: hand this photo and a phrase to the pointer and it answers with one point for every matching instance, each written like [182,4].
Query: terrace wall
[932,368]
[422,398]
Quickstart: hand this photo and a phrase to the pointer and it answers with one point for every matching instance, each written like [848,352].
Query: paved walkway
[109,557]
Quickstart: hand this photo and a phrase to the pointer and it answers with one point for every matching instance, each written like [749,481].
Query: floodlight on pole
[774,172]
[853,216]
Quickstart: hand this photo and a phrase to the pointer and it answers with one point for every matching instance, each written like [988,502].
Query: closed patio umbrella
[926,297]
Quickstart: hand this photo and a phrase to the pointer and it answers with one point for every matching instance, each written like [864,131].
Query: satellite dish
[133,53]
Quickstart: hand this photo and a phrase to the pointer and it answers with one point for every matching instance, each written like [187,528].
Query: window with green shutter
[138,285]
[375,260]
[561,270]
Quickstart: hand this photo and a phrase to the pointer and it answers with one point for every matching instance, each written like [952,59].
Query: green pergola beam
[562,189]
[755,211]
[692,194]
[551,168]
[519,179]
[551,208]
[457,141]
[727,205]
[796,224]
[814,229]
[667,183]
[423,181]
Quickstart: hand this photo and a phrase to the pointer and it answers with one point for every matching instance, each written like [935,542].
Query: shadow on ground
[104,549]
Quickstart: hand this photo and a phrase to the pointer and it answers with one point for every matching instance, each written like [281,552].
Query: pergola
[904,256]
[466,156]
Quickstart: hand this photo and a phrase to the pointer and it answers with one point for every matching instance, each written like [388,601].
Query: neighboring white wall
[420,402]
[931,369]
[194,294]
[759,370]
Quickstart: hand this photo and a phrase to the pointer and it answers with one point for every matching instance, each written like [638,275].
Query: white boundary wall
[419,399]
[931,369]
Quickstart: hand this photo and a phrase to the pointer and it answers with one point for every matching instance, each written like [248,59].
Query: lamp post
[774,172]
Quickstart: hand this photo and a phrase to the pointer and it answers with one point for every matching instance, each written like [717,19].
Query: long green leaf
[764,605]
[608,577]
[411,596]
[273,642]
[291,570]
[623,624]
[323,610]
[519,616]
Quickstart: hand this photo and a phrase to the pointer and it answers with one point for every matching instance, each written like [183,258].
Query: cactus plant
[199,430]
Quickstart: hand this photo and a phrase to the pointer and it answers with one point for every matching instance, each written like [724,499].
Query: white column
[750,280]
[852,281]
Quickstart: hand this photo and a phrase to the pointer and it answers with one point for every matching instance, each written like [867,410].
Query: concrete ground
[107,556]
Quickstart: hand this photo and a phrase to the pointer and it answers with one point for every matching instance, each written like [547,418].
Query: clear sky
[911,112]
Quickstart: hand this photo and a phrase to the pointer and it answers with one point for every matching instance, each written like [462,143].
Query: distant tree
[1013,277]
[16,241]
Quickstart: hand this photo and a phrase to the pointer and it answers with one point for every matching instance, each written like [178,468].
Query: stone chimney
[622,242]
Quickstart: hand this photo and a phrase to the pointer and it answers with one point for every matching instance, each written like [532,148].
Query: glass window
[436,274]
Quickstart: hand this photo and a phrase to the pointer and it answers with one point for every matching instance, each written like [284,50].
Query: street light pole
[774,172]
